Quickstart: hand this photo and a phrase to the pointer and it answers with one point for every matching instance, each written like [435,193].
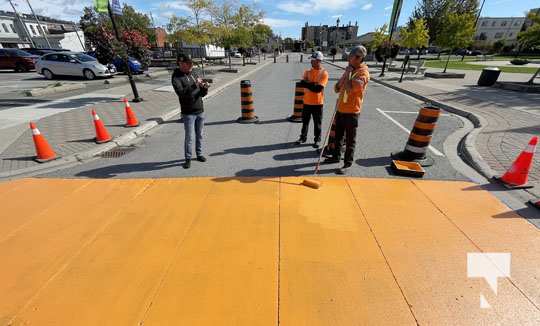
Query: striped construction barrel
[329,148]
[246,98]
[420,137]
[298,103]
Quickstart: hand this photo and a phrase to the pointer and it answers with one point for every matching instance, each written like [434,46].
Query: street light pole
[136,97]
[22,23]
[39,24]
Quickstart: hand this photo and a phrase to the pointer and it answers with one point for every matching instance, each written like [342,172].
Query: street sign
[396,10]
[116,7]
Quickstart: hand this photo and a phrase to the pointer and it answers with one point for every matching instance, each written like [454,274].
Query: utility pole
[136,97]
[22,23]
[80,41]
[39,24]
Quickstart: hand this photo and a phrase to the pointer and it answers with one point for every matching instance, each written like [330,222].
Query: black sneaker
[331,160]
[201,158]
[317,144]
[343,170]
[187,164]
[300,141]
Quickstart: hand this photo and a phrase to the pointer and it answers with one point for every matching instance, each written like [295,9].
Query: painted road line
[429,253]
[410,112]
[209,251]
[332,271]
[431,148]
[232,249]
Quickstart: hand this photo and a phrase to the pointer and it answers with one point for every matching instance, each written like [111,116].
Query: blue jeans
[193,121]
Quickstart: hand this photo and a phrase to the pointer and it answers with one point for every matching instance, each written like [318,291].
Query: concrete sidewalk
[508,119]
[67,124]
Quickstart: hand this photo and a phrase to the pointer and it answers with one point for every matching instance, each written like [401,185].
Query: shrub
[519,62]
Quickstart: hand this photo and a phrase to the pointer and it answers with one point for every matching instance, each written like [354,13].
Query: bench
[418,66]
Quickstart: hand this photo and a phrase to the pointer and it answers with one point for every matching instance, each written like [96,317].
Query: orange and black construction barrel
[246,98]
[298,103]
[420,137]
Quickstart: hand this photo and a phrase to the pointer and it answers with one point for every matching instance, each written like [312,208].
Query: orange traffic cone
[102,135]
[44,151]
[131,118]
[518,174]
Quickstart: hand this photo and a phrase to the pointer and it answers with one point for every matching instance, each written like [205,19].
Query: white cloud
[337,16]
[173,5]
[367,6]
[281,23]
[311,6]
[388,8]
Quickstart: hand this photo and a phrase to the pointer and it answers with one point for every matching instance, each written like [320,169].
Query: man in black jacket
[190,90]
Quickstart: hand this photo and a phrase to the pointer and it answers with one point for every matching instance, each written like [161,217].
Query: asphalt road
[267,149]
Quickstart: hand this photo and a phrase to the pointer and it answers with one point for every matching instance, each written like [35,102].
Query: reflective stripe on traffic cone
[298,103]
[131,118]
[518,174]
[102,135]
[44,151]
[246,98]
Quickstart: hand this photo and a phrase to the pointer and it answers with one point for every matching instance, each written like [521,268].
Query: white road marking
[410,112]
[431,148]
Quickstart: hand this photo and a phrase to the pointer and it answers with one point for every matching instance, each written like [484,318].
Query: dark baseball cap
[184,57]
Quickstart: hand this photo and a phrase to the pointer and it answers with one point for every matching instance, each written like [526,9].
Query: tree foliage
[457,32]
[435,13]
[416,35]
[530,38]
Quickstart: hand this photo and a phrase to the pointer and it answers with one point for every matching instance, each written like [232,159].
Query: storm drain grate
[117,152]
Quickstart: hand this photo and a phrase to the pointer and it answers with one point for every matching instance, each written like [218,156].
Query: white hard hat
[317,55]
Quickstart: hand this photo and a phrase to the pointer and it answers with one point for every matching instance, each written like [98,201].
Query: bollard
[301,58]
[287,58]
[246,97]
[274,58]
[420,137]
[298,103]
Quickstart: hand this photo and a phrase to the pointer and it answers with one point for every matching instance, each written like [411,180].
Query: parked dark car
[476,52]
[38,52]
[16,59]
[134,65]
[462,52]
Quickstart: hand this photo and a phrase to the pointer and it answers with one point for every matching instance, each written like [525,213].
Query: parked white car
[71,64]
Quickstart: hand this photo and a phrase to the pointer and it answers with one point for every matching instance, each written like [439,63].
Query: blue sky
[285,16]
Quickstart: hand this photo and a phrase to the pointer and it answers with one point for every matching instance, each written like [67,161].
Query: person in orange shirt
[313,81]
[351,88]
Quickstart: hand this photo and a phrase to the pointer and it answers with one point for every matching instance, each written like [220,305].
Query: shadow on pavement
[530,213]
[20,158]
[374,161]
[286,170]
[256,149]
[9,103]
[80,102]
[114,170]
[524,130]
[297,156]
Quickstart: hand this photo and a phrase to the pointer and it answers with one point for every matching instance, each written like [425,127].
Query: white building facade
[492,29]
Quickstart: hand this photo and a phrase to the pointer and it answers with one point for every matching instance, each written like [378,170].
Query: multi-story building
[22,31]
[492,29]
[325,36]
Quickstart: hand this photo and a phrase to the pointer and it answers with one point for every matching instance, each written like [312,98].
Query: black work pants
[309,111]
[346,125]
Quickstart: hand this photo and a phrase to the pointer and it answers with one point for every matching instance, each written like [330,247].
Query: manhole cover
[117,152]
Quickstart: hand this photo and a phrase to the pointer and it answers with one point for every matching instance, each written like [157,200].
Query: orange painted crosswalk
[252,251]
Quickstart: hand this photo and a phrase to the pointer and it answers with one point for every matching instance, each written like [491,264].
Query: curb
[52,90]
[470,153]
[120,140]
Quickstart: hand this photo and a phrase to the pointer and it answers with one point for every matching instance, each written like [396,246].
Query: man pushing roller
[313,81]
[351,88]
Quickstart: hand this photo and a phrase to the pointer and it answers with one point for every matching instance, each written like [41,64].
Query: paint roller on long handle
[311,182]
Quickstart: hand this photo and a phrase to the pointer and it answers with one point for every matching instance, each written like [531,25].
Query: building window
[516,24]
[13,29]
[5,28]
[484,23]
[510,34]
[498,35]
[33,30]
[503,23]
[494,23]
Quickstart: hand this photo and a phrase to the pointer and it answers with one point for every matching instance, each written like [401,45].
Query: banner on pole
[116,7]
[396,10]
[101,6]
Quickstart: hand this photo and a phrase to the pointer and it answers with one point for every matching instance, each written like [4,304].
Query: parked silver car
[71,64]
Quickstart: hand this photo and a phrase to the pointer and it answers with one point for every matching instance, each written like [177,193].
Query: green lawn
[465,66]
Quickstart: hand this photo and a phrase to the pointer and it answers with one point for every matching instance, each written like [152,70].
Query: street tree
[435,13]
[530,39]
[457,32]
[416,35]
[261,34]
